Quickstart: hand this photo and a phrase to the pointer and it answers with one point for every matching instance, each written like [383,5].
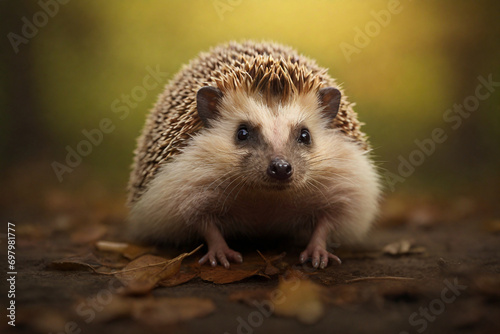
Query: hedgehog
[253,140]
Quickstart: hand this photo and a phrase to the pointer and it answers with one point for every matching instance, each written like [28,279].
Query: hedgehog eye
[243,133]
[304,137]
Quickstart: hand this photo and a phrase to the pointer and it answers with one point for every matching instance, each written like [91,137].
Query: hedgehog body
[252,139]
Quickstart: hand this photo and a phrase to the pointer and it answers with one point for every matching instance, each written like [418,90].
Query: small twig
[262,256]
[392,278]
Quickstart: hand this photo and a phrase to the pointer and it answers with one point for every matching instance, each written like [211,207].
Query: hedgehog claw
[319,256]
[221,255]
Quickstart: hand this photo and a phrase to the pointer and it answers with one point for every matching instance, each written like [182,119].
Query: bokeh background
[65,78]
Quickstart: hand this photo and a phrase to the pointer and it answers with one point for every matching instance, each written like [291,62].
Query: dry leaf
[402,247]
[185,274]
[146,264]
[221,275]
[88,234]
[253,265]
[271,269]
[296,296]
[143,274]
[167,311]
[302,299]
[156,311]
[396,248]
[78,262]
[130,251]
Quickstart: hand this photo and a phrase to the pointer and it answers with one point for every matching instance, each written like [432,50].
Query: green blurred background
[426,59]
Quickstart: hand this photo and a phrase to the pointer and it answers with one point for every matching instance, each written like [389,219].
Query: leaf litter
[86,261]
[296,296]
[252,266]
[143,274]
[271,269]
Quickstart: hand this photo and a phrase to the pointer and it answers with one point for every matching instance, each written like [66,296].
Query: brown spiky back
[275,71]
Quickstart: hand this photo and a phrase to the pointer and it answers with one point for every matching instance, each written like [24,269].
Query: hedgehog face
[272,144]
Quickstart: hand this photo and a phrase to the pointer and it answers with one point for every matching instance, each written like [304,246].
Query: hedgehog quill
[252,140]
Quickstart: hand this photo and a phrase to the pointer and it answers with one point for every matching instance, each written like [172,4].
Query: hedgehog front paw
[319,256]
[222,254]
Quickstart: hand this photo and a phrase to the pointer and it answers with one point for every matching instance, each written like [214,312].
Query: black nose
[279,169]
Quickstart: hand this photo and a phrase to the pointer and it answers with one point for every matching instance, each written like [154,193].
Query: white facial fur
[333,178]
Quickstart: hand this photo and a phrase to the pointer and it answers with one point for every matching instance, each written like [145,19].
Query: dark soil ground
[447,282]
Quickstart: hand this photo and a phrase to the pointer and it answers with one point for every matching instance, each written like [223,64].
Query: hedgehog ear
[329,98]
[207,100]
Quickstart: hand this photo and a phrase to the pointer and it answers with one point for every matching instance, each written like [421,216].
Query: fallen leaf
[221,275]
[156,311]
[143,274]
[402,247]
[302,299]
[166,311]
[130,251]
[89,233]
[271,269]
[133,251]
[185,274]
[253,265]
[396,248]
[144,265]
[296,296]
[78,262]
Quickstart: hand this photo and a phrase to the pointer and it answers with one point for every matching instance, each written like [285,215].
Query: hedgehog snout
[279,169]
